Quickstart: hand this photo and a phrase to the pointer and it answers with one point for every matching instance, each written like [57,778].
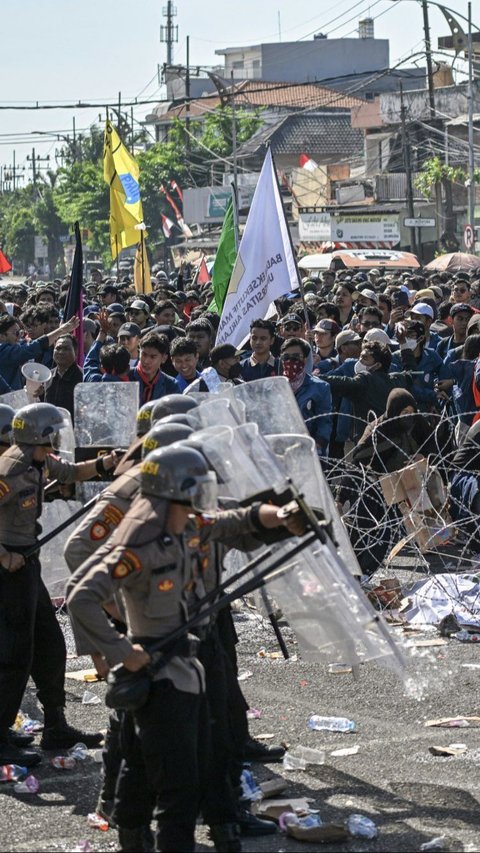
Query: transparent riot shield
[271,404]
[63,441]
[105,419]
[55,571]
[328,611]
[16,399]
[242,459]
[299,459]
[214,411]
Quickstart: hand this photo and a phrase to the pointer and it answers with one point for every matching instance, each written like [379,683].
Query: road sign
[469,236]
[419,222]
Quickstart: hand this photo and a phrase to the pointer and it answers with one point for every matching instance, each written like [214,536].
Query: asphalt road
[411,795]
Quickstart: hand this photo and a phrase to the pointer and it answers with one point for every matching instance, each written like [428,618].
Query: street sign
[469,236]
[419,222]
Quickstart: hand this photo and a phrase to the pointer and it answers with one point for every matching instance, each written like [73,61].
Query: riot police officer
[31,641]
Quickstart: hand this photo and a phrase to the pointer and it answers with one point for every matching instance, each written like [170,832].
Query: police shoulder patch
[98,531]
[128,563]
[166,585]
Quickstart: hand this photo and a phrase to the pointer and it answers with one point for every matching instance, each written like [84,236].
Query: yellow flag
[141,270]
[120,172]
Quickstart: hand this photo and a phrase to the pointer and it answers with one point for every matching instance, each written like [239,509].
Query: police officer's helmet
[172,404]
[180,474]
[36,423]
[144,417]
[473,433]
[6,416]
[174,419]
[163,435]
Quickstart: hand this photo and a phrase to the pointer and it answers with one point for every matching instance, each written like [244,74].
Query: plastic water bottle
[300,756]
[96,821]
[31,785]
[331,724]
[293,762]
[79,751]
[361,826]
[11,772]
[250,789]
[63,762]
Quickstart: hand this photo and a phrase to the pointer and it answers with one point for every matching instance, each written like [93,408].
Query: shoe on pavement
[250,825]
[63,736]
[105,809]
[226,837]
[137,840]
[11,754]
[20,739]
[256,751]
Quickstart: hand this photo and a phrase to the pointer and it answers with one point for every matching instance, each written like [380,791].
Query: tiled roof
[329,134]
[259,93]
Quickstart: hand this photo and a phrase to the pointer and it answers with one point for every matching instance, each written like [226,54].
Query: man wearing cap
[108,294]
[373,275]
[261,363]
[423,313]
[460,314]
[365,297]
[129,337]
[324,334]
[348,345]
[424,364]
[293,325]
[139,312]
[225,367]
[312,394]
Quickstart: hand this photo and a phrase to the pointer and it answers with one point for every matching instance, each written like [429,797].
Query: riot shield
[55,571]
[298,456]
[214,411]
[16,399]
[271,404]
[328,611]
[64,440]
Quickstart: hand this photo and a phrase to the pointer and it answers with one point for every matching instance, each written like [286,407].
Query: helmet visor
[204,493]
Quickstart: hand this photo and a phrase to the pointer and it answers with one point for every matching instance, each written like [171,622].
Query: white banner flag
[265,267]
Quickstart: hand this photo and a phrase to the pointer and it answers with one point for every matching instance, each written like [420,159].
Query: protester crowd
[385,369]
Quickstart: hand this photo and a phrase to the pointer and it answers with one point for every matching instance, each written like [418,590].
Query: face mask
[360,367]
[234,371]
[410,343]
[292,368]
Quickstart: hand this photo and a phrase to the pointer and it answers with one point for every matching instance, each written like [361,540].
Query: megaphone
[38,378]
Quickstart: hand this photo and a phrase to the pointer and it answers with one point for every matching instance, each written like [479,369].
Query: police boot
[226,837]
[58,734]
[137,840]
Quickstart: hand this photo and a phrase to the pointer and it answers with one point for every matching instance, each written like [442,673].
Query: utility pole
[428,52]
[471,155]
[169,31]
[187,96]
[36,161]
[408,172]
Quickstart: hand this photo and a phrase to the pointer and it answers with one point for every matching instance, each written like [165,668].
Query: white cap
[377,335]
[422,308]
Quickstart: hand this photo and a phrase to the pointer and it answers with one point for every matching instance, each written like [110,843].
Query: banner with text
[265,266]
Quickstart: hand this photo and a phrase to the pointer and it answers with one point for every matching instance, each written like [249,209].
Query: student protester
[261,363]
[225,367]
[460,312]
[139,312]
[14,354]
[311,393]
[184,357]
[129,337]
[154,383]
[201,331]
[343,299]
[424,364]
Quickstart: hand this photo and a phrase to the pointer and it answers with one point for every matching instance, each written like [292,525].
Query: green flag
[224,261]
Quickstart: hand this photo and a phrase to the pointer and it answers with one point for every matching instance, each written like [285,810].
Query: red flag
[174,186]
[5,266]
[307,163]
[181,222]
[203,276]
[167,225]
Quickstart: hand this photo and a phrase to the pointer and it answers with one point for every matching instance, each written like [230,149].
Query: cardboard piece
[446,751]
[453,722]
[273,787]
[272,809]
[330,832]
[89,675]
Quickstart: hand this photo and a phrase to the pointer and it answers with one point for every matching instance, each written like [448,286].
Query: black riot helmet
[179,474]
[144,417]
[37,423]
[172,404]
[163,435]
[7,415]
[179,418]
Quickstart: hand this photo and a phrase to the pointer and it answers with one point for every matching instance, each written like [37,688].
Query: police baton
[76,515]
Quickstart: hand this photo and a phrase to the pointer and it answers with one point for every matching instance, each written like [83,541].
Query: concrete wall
[322,58]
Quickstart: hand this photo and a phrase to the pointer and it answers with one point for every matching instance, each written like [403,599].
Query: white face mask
[410,343]
[360,367]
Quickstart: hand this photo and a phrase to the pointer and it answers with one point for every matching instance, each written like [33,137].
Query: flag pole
[300,282]
[116,251]
[236,229]
[142,252]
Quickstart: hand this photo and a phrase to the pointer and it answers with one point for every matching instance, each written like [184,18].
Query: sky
[65,51]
